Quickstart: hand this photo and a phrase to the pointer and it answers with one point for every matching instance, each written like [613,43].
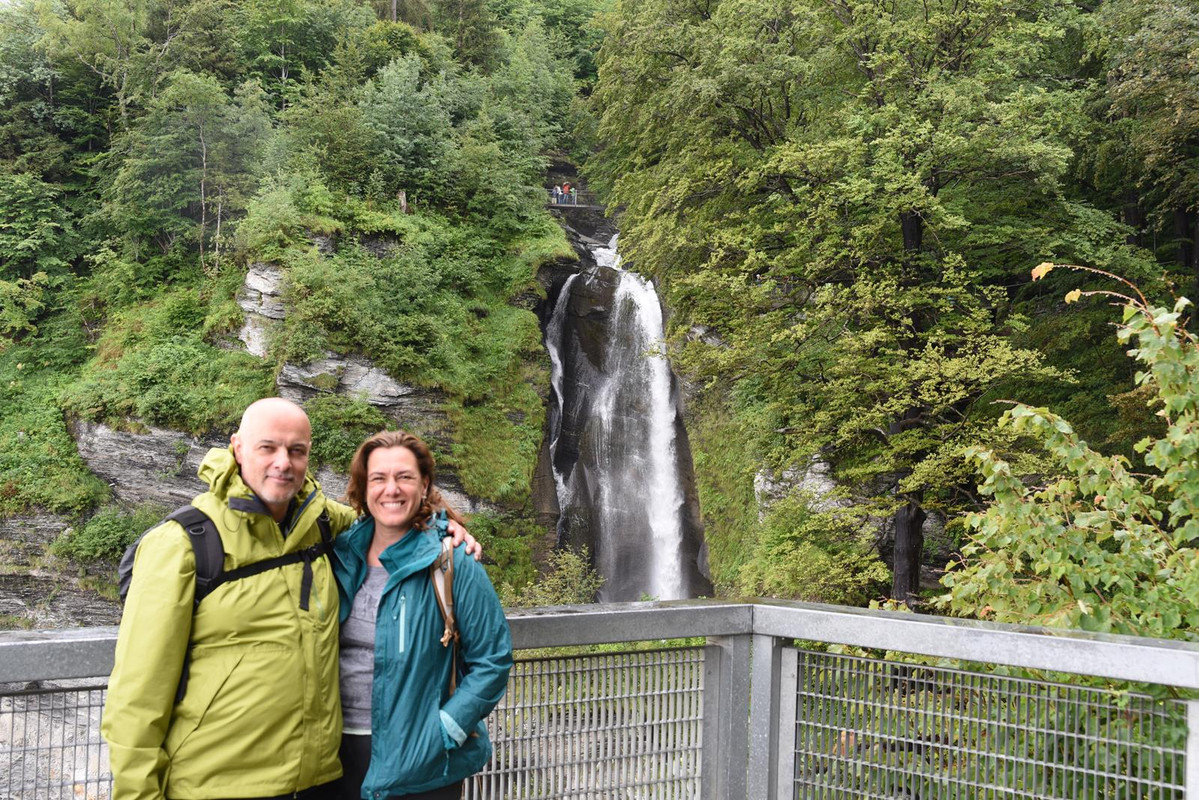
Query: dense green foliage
[841,200]
[1102,543]
[152,365]
[107,533]
[391,165]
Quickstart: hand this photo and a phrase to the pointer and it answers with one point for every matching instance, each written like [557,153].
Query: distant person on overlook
[258,715]
[414,696]
[557,194]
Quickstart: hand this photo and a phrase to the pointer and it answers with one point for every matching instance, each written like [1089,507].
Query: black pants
[356,757]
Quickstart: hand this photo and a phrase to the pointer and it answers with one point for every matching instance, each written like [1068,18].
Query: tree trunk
[909,549]
[1182,235]
[394,9]
[216,239]
[1134,216]
[1195,247]
[203,194]
[913,231]
[909,536]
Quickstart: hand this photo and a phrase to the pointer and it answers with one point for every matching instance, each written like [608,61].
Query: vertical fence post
[762,779]
[788,716]
[1191,779]
[726,717]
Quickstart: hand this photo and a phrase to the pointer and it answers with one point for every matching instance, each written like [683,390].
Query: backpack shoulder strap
[442,574]
[307,556]
[326,527]
[206,543]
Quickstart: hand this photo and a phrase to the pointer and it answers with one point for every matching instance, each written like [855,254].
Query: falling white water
[636,494]
[553,336]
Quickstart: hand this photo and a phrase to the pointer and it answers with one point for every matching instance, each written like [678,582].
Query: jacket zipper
[403,621]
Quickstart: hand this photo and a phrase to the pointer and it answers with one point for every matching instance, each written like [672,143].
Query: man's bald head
[271,447]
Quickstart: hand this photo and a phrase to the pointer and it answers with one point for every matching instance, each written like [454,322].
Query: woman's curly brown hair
[431,501]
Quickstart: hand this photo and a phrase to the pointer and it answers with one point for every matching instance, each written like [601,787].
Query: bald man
[259,714]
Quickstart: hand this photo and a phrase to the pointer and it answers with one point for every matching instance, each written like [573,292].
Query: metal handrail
[87,652]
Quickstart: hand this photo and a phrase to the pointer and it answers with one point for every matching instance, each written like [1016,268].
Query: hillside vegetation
[840,201]
[389,160]
[843,201]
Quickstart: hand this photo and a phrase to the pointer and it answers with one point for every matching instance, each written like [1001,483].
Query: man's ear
[235,441]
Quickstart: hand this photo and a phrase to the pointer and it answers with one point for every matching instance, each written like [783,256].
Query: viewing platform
[582,200]
[765,700]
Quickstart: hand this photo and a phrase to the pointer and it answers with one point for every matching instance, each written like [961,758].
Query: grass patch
[15,622]
[339,425]
[153,366]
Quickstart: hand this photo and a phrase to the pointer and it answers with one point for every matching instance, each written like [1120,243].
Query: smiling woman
[411,734]
[395,489]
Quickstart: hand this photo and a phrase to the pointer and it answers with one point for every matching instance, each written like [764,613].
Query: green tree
[190,164]
[28,140]
[411,115]
[284,39]
[127,44]
[1148,157]
[38,247]
[471,27]
[837,195]
[1097,542]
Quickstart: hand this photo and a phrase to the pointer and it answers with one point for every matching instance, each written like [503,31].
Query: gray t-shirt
[358,653]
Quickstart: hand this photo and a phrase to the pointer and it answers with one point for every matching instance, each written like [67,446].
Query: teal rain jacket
[421,737]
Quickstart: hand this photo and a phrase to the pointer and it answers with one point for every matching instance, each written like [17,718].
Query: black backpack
[210,561]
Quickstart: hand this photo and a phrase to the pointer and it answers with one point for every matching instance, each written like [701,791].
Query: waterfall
[613,433]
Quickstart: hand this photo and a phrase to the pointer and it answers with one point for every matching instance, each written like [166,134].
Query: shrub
[1099,544]
[107,533]
[570,580]
[815,555]
[339,425]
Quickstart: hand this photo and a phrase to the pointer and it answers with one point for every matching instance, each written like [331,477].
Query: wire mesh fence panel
[873,729]
[612,725]
[50,746]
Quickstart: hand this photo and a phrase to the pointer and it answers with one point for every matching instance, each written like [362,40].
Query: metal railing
[578,200]
[743,711]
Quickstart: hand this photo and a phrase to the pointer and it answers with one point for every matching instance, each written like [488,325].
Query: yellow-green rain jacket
[261,715]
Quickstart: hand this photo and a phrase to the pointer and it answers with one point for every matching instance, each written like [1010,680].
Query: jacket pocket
[426,758]
[205,679]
